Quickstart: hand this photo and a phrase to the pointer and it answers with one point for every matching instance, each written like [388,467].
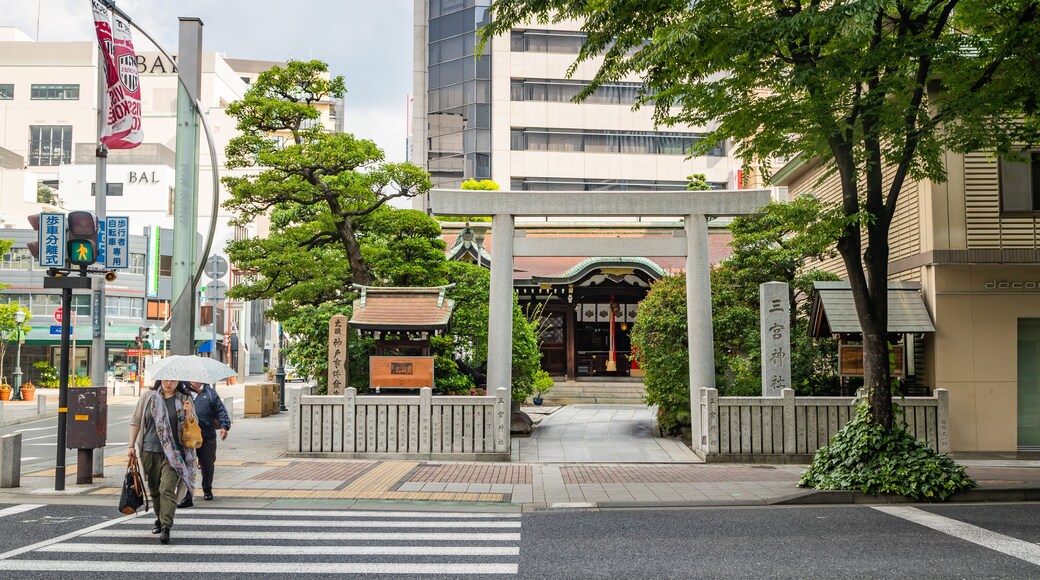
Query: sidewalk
[252,468]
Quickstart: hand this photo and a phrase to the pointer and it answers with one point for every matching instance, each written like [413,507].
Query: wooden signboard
[850,357]
[400,372]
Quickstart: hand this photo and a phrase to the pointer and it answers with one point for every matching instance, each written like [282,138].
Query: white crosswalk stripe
[286,542]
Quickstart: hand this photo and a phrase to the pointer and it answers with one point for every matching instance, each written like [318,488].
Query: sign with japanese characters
[52,240]
[339,360]
[117,242]
[850,360]
[775,316]
[402,372]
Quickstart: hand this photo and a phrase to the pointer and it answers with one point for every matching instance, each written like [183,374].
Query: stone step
[595,401]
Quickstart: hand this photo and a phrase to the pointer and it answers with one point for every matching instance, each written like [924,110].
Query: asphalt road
[898,541]
[40,438]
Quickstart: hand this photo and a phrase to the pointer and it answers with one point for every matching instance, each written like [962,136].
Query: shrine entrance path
[600,434]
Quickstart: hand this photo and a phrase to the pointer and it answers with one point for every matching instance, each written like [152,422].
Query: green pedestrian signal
[82,252]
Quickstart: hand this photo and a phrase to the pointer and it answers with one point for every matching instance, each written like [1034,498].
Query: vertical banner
[122,128]
[103,30]
[151,278]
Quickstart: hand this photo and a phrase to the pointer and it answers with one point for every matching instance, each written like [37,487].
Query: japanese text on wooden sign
[339,371]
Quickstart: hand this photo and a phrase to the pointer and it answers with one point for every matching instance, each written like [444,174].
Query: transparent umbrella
[190,368]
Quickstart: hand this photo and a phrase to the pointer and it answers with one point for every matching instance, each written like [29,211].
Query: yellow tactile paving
[381,477]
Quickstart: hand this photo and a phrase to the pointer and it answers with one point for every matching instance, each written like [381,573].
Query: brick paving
[671,474]
[471,473]
[318,471]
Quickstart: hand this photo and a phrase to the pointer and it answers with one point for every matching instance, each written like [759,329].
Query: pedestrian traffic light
[83,236]
[34,247]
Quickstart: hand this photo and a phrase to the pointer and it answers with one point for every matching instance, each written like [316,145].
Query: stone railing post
[790,425]
[942,419]
[503,418]
[229,405]
[426,420]
[11,460]
[711,423]
[293,404]
[349,419]
[41,404]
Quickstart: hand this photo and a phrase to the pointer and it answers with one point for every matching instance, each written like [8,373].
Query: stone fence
[789,428]
[399,426]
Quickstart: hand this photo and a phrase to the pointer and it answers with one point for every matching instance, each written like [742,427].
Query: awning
[834,311]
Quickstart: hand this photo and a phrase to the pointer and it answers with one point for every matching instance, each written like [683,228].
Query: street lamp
[279,375]
[19,317]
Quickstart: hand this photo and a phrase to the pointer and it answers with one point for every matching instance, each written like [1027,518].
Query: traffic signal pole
[98,356]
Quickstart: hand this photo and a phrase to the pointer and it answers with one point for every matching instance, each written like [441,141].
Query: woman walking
[156,425]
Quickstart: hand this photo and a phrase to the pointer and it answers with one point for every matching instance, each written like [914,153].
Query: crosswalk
[299,542]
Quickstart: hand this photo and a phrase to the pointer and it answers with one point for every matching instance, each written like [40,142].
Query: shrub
[543,383]
[48,374]
[872,459]
[659,336]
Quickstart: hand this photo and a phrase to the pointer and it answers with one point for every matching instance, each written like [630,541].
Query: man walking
[213,421]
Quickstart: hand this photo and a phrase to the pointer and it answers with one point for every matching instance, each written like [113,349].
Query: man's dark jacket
[211,412]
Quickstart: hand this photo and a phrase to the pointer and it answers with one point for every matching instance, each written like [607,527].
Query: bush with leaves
[659,335]
[869,458]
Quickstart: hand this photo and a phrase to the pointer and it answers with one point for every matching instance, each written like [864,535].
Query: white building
[48,136]
[508,115]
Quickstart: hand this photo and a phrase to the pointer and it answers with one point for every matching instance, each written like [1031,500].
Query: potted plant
[5,390]
[543,383]
[27,391]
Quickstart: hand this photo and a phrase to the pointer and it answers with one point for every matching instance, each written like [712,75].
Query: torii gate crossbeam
[692,206]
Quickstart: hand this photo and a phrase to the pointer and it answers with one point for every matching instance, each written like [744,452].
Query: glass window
[124,307]
[20,299]
[632,142]
[6,92]
[1020,185]
[166,266]
[16,259]
[50,144]
[114,189]
[54,92]
[46,304]
[136,264]
[158,309]
[557,41]
[516,90]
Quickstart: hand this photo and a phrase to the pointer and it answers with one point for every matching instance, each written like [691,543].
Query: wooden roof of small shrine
[395,308]
[834,310]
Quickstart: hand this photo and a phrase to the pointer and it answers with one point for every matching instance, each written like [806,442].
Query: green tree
[5,247]
[403,247]
[879,90]
[697,182]
[45,194]
[325,183]
[472,185]
[9,327]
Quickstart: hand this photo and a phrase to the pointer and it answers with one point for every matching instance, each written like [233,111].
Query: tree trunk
[358,269]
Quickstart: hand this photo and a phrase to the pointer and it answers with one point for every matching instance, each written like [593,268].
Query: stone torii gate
[693,206]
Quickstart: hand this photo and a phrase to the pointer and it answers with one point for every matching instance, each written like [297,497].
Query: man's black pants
[207,458]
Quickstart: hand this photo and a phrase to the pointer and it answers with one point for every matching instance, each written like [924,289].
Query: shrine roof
[395,308]
[834,310]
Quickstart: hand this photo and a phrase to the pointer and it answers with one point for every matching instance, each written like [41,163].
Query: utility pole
[98,356]
[185,204]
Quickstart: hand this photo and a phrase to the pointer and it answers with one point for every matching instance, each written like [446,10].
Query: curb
[28,419]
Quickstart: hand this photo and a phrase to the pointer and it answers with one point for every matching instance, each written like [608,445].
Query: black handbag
[132,497]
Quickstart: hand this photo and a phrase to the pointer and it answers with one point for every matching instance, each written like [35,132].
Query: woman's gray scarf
[180,459]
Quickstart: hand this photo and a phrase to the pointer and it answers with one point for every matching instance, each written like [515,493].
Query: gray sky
[368,43]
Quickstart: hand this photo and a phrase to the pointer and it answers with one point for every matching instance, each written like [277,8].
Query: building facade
[972,244]
[48,132]
[508,115]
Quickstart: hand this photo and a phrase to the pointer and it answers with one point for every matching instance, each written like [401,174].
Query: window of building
[158,309]
[16,259]
[6,92]
[564,91]
[555,41]
[54,92]
[136,265]
[114,189]
[1020,185]
[596,141]
[166,266]
[124,307]
[50,144]
[20,299]
[571,184]
[45,305]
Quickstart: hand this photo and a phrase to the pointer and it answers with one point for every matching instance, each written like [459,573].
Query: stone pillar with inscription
[775,317]
[339,360]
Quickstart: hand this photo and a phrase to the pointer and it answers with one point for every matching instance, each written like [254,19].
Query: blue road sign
[117,242]
[52,240]
[56,329]
[101,242]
